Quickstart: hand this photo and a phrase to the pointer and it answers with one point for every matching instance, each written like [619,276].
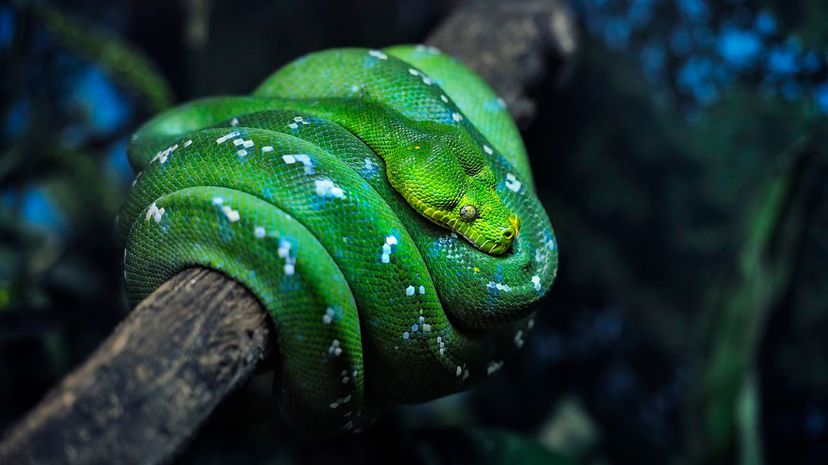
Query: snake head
[452,186]
[481,217]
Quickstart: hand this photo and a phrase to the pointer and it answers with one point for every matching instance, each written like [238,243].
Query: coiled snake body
[380,205]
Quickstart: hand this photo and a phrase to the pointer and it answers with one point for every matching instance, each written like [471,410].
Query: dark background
[682,165]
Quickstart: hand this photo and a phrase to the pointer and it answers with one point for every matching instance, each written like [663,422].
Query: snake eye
[468,212]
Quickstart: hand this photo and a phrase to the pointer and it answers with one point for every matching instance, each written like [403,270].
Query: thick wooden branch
[164,369]
[514,45]
[157,377]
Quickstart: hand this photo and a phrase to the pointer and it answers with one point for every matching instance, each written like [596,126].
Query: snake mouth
[491,246]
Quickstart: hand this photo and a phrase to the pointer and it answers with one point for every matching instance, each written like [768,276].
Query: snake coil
[285,191]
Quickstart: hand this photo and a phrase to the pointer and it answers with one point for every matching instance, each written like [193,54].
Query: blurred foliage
[805,17]
[125,65]
[683,167]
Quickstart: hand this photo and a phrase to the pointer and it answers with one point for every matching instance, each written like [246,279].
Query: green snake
[380,205]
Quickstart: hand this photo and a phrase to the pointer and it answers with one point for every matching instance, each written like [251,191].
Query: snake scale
[380,205]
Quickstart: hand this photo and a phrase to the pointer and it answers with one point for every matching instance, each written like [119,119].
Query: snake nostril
[509,234]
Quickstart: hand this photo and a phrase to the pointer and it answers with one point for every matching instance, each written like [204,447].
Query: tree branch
[164,369]
[157,377]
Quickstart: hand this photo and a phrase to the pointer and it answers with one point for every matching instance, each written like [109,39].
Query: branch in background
[724,412]
[149,386]
[196,38]
[484,38]
[127,66]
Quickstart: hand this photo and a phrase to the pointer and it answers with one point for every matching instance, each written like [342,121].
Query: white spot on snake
[378,54]
[494,366]
[501,102]
[188,143]
[226,137]
[370,166]
[297,120]
[427,81]
[335,349]
[441,344]
[487,149]
[409,291]
[234,122]
[422,289]
[540,254]
[155,213]
[242,153]
[498,286]
[259,232]
[218,200]
[406,335]
[328,317]
[301,158]
[427,48]
[341,401]
[536,282]
[458,371]
[530,324]
[413,72]
[456,117]
[284,252]
[245,143]
[422,48]
[519,339]
[326,188]
[232,215]
[162,155]
[512,183]
[444,98]
[267,148]
[426,328]
[387,250]
[345,377]
[306,162]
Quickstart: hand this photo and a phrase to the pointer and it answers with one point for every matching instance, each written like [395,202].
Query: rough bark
[157,377]
[164,369]
[516,46]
